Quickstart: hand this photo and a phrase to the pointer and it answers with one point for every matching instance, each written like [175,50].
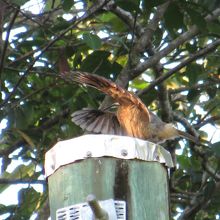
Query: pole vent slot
[116,211]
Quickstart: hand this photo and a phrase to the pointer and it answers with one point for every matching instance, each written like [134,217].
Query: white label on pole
[116,211]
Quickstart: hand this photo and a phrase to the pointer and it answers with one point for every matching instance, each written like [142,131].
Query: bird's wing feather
[97,121]
[120,95]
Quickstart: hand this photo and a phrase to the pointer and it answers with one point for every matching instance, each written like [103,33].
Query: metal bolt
[52,166]
[88,153]
[157,157]
[124,152]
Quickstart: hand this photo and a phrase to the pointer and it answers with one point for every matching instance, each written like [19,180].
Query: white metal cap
[69,151]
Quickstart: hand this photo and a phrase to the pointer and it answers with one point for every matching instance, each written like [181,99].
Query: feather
[97,121]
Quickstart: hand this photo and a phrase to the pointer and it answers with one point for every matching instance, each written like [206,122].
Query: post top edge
[100,145]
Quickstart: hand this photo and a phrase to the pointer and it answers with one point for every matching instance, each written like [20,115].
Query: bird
[132,117]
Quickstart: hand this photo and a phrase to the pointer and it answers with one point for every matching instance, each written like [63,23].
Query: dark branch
[199,201]
[21,181]
[193,57]
[186,36]
[3,52]
[212,119]
[198,86]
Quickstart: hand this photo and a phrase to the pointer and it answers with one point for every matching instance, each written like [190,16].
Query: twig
[126,17]
[162,92]
[198,202]
[192,58]
[40,90]
[186,124]
[207,114]
[198,86]
[6,41]
[200,150]
[207,121]
[21,181]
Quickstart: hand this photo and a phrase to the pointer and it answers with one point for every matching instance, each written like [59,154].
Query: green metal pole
[143,185]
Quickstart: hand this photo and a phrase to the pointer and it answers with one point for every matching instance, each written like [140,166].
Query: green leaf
[193,71]
[213,61]
[92,41]
[28,202]
[191,47]
[193,95]
[214,27]
[212,91]
[173,18]
[25,137]
[116,24]
[67,5]
[197,19]
[98,60]
[77,60]
[19,172]
[60,24]
[209,188]
[129,5]
[51,4]
[184,162]
[149,97]
[19,2]
[6,209]
[152,3]
[216,148]
[139,84]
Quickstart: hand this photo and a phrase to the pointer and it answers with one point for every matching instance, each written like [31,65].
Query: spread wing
[97,121]
[120,95]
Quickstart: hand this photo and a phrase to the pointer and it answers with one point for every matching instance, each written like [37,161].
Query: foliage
[167,51]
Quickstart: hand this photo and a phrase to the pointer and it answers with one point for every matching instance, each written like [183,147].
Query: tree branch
[200,87]
[210,47]
[21,181]
[199,150]
[126,17]
[44,212]
[3,52]
[145,42]
[145,39]
[199,201]
[125,76]
[194,30]
[207,121]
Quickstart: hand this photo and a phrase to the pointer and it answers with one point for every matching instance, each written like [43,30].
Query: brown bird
[132,117]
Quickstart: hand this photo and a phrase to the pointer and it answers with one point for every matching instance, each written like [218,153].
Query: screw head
[124,152]
[88,154]
[52,166]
